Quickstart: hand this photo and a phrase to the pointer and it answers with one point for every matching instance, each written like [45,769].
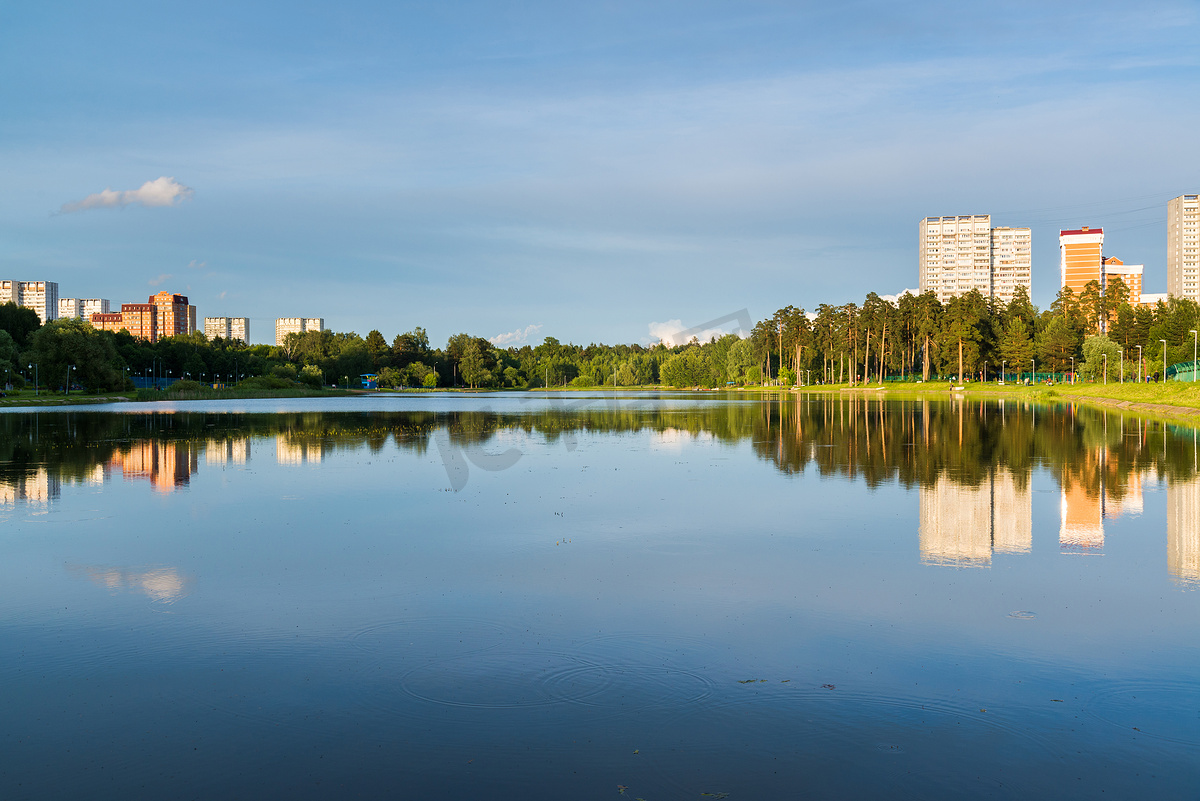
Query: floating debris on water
[1022,615]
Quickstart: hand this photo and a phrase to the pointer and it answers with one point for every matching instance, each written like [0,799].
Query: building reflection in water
[167,465]
[36,489]
[1183,531]
[218,452]
[294,450]
[164,585]
[963,525]
[971,463]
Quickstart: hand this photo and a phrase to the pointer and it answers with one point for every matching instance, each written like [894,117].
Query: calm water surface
[669,597]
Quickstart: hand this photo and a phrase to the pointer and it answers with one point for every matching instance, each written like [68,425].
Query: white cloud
[197,265]
[159,279]
[518,337]
[673,332]
[162,191]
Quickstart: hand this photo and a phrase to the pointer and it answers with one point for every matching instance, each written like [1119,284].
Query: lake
[584,595]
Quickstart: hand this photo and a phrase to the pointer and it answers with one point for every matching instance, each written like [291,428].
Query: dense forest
[914,338]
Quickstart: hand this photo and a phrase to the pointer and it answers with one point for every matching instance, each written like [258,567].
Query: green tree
[8,356]
[377,350]
[473,364]
[928,311]
[310,374]
[962,333]
[19,322]
[1016,345]
[1057,343]
[411,347]
[72,346]
[1095,348]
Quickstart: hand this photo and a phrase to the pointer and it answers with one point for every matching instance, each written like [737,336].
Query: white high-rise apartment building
[1183,247]
[90,306]
[41,296]
[82,307]
[958,254]
[296,325]
[228,328]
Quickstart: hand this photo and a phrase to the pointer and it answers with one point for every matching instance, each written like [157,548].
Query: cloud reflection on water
[162,585]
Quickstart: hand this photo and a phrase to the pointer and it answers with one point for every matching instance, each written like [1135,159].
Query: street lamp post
[1002,363]
[1034,362]
[34,368]
[1106,368]
[1164,343]
[1139,347]
[1121,357]
[70,369]
[1072,369]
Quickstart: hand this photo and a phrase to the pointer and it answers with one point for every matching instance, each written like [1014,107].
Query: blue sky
[591,169]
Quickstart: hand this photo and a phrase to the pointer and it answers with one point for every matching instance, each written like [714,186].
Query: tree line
[916,337]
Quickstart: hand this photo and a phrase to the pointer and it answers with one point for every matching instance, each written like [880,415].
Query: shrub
[266,382]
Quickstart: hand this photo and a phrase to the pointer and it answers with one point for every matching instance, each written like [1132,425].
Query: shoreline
[1157,406]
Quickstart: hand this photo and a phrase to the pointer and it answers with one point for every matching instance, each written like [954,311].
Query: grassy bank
[27,399]
[42,399]
[236,393]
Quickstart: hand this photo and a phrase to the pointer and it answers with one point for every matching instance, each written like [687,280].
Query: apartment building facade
[139,319]
[175,317]
[1081,258]
[1183,247]
[296,325]
[1130,275]
[82,307]
[962,253]
[228,328]
[41,296]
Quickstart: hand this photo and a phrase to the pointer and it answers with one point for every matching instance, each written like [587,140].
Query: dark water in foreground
[671,598]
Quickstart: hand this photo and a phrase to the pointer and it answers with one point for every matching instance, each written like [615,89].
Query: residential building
[90,306]
[228,328]
[1183,247]
[1152,299]
[958,254]
[296,325]
[82,307]
[1130,275]
[1012,262]
[1081,258]
[175,316]
[139,319]
[41,296]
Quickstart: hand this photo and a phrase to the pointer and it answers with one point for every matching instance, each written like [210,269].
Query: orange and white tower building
[1130,275]
[1081,255]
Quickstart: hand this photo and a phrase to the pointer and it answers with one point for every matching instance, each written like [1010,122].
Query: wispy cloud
[197,265]
[518,337]
[162,278]
[162,191]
